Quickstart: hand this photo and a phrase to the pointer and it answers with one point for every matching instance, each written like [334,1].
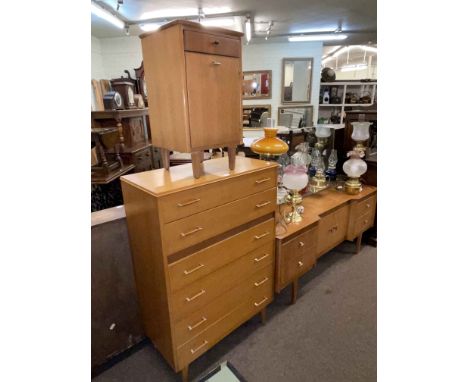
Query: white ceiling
[358,18]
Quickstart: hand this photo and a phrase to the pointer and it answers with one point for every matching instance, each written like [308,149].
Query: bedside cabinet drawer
[196,228]
[364,207]
[193,324]
[332,229]
[297,256]
[207,260]
[182,204]
[202,291]
[212,44]
[363,223]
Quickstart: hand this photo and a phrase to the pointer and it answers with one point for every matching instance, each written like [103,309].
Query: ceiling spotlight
[127,29]
[318,37]
[119,3]
[248,29]
[106,15]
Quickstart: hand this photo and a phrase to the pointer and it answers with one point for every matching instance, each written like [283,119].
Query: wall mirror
[255,115]
[256,84]
[295,116]
[296,81]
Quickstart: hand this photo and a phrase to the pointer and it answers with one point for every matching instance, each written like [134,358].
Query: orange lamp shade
[270,144]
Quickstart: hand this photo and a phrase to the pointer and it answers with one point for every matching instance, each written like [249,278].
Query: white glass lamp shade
[322,132]
[360,131]
[295,177]
[354,167]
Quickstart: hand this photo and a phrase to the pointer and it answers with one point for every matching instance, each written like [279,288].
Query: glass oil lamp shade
[360,131]
[354,168]
[301,157]
[322,132]
[332,161]
[295,179]
[270,145]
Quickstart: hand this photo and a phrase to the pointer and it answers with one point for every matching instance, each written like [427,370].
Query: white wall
[97,70]
[119,54]
[269,57]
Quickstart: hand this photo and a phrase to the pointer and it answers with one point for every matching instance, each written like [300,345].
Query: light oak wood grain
[210,43]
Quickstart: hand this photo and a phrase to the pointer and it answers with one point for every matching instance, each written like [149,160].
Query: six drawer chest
[203,251]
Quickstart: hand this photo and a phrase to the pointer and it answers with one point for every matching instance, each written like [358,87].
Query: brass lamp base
[318,182]
[294,216]
[321,143]
[360,148]
[353,186]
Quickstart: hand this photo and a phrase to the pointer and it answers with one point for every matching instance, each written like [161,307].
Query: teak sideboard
[203,251]
[194,81]
[330,217]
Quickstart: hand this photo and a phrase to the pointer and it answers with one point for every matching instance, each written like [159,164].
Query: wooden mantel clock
[141,82]
[126,90]
[194,81]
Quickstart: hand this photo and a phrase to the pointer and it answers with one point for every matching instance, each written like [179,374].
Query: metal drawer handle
[300,263]
[261,282]
[197,324]
[262,204]
[194,269]
[261,302]
[188,203]
[257,237]
[215,42]
[258,259]
[193,351]
[183,234]
[215,63]
[188,299]
[262,180]
[301,244]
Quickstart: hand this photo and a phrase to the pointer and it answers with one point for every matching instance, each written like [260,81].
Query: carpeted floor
[329,335]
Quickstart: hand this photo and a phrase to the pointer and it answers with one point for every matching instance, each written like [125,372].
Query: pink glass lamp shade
[295,178]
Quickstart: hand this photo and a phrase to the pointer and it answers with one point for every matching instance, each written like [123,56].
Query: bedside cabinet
[203,252]
[194,81]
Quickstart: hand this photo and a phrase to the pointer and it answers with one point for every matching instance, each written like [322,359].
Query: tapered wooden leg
[294,287]
[263,315]
[232,157]
[165,158]
[358,243]
[197,164]
[185,374]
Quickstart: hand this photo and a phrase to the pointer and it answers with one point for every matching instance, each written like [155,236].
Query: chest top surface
[162,182]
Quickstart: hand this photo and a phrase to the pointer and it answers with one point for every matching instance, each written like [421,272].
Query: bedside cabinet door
[214,98]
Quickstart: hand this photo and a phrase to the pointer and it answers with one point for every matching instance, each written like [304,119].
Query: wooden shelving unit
[358,88]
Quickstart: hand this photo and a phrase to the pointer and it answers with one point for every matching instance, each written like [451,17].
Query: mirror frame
[268,106]
[311,59]
[296,107]
[270,74]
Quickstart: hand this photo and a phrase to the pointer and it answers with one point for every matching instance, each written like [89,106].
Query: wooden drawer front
[253,303]
[364,207]
[194,229]
[189,202]
[143,160]
[363,223]
[201,292]
[332,229]
[212,44]
[205,261]
[193,324]
[297,256]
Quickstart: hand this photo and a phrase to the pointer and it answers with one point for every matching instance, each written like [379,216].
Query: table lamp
[354,168]
[360,135]
[270,145]
[295,179]
[322,133]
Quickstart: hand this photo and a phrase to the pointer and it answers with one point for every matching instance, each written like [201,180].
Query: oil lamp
[322,133]
[354,168]
[360,135]
[295,179]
